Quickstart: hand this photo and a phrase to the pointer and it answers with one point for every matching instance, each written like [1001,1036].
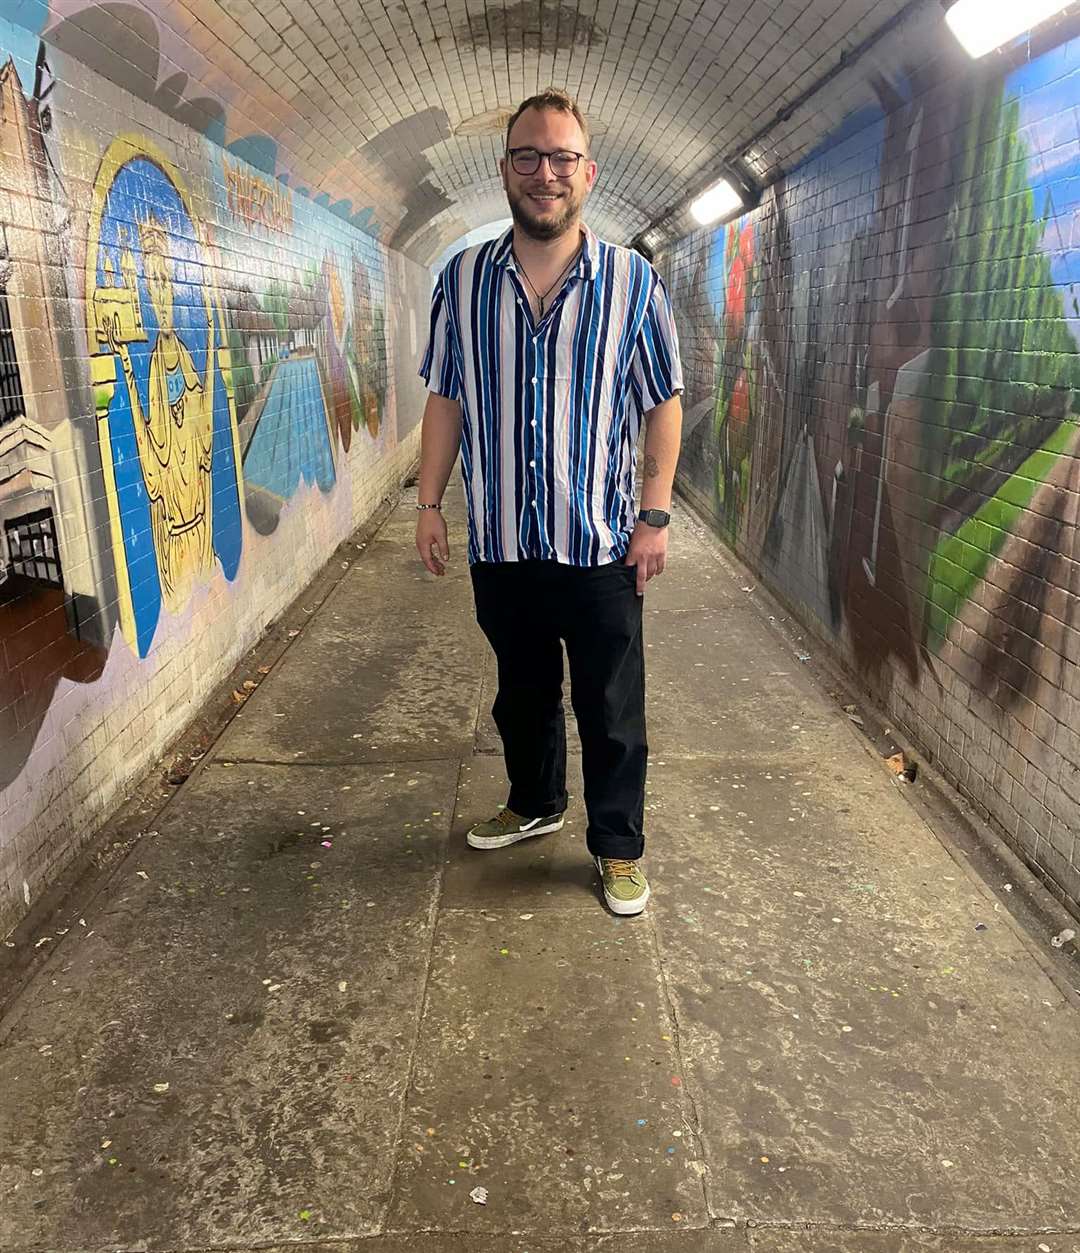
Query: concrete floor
[305,1014]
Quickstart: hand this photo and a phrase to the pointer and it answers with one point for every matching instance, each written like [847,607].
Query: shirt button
[534,378]
[532,463]
[533,423]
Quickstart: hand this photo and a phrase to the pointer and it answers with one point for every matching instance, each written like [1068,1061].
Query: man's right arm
[440,442]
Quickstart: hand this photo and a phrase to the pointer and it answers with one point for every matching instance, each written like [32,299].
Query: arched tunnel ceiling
[394,114]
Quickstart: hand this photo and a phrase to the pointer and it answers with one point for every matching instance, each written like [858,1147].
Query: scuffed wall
[882,397]
[206,383]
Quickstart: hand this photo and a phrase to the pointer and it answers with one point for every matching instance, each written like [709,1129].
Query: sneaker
[507,828]
[626,889]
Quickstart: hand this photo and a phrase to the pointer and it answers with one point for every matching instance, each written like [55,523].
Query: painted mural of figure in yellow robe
[175,436]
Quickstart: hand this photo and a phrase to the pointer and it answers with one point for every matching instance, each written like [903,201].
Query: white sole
[502,841]
[625,909]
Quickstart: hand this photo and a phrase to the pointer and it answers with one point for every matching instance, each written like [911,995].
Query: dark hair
[550,98]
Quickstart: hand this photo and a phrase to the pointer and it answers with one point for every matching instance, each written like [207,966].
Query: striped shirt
[551,412]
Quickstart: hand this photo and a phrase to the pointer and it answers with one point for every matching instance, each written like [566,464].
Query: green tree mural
[1004,368]
[276,303]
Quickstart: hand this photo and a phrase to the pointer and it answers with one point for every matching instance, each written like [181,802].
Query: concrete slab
[715,680]
[272,984]
[551,871]
[688,1240]
[718,680]
[859,1025]
[546,1064]
[702,1240]
[298,1111]
[835,1240]
[400,526]
[694,578]
[390,667]
[435,1242]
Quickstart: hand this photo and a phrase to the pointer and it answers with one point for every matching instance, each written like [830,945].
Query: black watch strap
[654,517]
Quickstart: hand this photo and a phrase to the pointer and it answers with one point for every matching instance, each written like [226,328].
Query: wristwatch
[654,517]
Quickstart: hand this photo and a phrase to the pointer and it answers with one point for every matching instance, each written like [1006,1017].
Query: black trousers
[526,608]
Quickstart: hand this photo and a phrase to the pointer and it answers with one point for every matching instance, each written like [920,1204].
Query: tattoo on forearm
[651,468]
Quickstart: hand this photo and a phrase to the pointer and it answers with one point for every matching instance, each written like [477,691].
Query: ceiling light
[720,201]
[983,25]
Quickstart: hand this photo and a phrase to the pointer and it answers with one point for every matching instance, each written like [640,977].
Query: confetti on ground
[161,1087]
[479,1195]
[342,986]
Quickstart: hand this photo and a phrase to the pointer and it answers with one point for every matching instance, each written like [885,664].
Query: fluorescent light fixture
[720,201]
[983,25]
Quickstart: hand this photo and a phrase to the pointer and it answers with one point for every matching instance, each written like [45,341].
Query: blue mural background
[140,188]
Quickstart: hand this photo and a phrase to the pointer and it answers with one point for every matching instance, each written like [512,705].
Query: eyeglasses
[563,163]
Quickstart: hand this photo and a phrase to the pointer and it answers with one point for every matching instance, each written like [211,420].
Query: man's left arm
[663,432]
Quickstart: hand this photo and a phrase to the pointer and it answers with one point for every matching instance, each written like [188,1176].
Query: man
[547,348]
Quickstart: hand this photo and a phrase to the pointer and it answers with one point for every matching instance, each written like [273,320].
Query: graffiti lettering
[256,201]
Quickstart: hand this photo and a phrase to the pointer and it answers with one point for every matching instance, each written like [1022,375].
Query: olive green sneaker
[626,889]
[507,828]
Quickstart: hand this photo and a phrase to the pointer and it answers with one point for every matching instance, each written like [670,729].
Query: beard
[551,225]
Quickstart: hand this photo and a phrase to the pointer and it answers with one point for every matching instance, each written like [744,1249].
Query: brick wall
[207,381]
[882,390]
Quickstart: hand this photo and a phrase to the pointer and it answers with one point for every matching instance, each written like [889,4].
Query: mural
[166,422]
[57,588]
[734,372]
[193,365]
[309,354]
[366,352]
[883,389]
[153,56]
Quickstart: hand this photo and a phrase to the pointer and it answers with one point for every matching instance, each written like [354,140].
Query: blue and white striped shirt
[551,413]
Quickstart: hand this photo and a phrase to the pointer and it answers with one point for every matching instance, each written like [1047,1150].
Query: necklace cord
[559,278]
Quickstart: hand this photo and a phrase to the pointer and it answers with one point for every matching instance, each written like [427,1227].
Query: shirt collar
[586,264]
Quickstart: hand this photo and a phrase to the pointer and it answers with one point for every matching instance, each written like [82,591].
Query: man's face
[544,205]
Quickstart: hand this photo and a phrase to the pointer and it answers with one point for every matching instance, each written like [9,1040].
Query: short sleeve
[438,369]
[657,368]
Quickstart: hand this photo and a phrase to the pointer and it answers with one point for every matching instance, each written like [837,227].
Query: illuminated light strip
[721,200]
[983,25]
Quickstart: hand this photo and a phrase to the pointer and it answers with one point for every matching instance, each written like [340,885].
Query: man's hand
[648,551]
[431,540]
